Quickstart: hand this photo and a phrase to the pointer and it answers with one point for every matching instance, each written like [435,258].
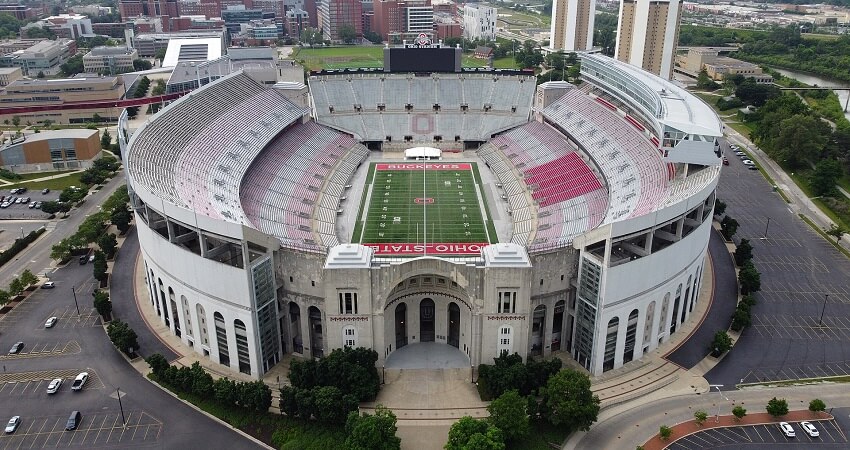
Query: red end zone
[428,166]
[461,248]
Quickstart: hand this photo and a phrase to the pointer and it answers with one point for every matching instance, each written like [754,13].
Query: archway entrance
[401,325]
[426,320]
[454,325]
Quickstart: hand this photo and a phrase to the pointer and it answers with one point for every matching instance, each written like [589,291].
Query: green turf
[455,216]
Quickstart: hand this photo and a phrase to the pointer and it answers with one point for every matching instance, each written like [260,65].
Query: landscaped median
[690,427]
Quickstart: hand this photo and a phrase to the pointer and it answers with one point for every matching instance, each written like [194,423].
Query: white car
[50,322]
[13,424]
[54,386]
[787,429]
[748,162]
[80,381]
[809,429]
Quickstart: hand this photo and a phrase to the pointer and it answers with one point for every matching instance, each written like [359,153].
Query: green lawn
[55,184]
[32,176]
[396,213]
[340,57]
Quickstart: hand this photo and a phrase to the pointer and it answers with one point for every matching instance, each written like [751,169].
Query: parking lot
[68,318]
[22,210]
[735,437]
[803,277]
[35,383]
[42,349]
[96,430]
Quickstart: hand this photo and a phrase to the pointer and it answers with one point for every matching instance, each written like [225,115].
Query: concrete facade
[479,22]
[51,150]
[572,25]
[647,34]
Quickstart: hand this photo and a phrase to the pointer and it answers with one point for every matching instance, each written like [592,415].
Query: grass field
[395,212]
[353,57]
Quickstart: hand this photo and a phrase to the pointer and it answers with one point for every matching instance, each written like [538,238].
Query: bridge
[126,103]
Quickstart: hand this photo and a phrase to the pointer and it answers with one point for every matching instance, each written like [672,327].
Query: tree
[721,343]
[469,433]
[741,317]
[749,278]
[99,267]
[777,407]
[5,296]
[311,36]
[16,287]
[817,405]
[700,416]
[105,140]
[16,121]
[739,412]
[372,37]
[728,227]
[826,173]
[372,432]
[72,66]
[744,252]
[705,82]
[160,55]
[665,432]
[509,414]
[142,64]
[108,243]
[121,219]
[122,336]
[568,400]
[102,304]
[719,207]
[40,74]
[28,278]
[347,33]
[835,231]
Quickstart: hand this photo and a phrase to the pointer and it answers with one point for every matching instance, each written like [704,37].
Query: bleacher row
[294,187]
[211,166]
[159,145]
[569,196]
[471,106]
[424,126]
[395,92]
[635,173]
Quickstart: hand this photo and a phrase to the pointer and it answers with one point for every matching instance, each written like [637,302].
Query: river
[820,81]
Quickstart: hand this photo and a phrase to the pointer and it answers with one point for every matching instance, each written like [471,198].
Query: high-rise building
[397,17]
[572,25]
[647,33]
[336,13]
[479,22]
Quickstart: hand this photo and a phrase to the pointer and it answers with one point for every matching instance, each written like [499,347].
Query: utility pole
[820,321]
[121,407]
[718,386]
[73,291]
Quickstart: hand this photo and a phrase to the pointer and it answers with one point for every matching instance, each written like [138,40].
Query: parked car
[13,191]
[31,205]
[21,190]
[45,191]
[5,205]
[50,322]
[748,162]
[725,161]
[91,258]
[73,421]
[753,167]
[810,429]
[48,285]
[787,429]
[16,348]
[13,424]
[54,386]
[80,381]
[38,205]
[84,259]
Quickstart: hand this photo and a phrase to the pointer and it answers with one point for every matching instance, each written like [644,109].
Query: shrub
[817,405]
[739,412]
[721,343]
[777,407]
[665,432]
[700,416]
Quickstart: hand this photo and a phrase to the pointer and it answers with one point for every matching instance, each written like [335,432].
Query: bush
[352,371]
[509,373]
[19,245]
[665,432]
[744,252]
[777,407]
[728,227]
[122,336]
[700,416]
[739,412]
[158,364]
[817,405]
[749,278]
[741,318]
[721,343]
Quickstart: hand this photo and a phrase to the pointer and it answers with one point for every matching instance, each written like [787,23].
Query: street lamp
[765,229]
[718,386]
[820,321]
[73,291]
[121,407]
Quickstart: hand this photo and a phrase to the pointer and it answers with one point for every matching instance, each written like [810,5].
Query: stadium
[427,206]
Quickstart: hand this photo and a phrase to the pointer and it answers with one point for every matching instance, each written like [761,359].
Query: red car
[725,161]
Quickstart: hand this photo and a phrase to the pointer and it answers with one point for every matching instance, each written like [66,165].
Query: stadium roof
[677,109]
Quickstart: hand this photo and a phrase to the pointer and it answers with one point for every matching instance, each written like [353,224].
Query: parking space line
[100,429]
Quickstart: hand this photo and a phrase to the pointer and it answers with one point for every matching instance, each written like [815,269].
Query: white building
[420,19]
[109,60]
[647,34]
[479,21]
[572,25]
[237,213]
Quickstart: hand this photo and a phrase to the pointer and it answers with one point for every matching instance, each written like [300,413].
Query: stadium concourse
[555,222]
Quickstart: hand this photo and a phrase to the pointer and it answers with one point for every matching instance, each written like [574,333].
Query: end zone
[465,248]
[419,166]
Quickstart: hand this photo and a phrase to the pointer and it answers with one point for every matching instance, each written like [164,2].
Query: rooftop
[192,49]
[104,51]
[69,133]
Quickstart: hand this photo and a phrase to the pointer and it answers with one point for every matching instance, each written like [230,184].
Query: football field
[414,210]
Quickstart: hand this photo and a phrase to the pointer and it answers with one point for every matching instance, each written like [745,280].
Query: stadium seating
[374,107]
[286,191]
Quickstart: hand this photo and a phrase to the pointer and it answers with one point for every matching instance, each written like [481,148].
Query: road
[36,257]
[633,427]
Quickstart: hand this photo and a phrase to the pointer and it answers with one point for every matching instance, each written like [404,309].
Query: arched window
[349,336]
[242,352]
[665,305]
[202,325]
[648,322]
[221,339]
[611,343]
[631,337]
[187,315]
[689,301]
